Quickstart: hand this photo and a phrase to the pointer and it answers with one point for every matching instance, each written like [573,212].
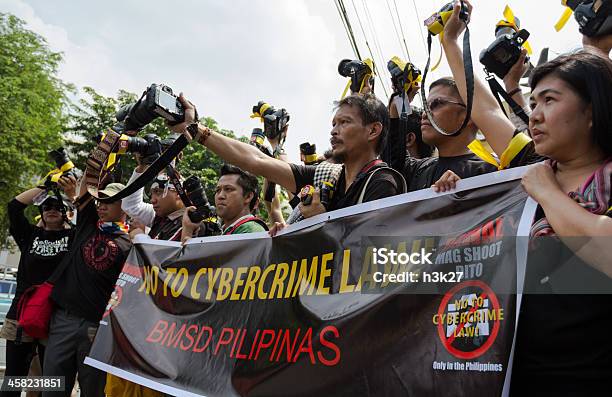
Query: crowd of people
[561,344]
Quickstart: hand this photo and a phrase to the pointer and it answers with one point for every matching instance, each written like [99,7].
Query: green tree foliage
[32,103]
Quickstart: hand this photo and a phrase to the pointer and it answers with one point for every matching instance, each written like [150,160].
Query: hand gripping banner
[410,295]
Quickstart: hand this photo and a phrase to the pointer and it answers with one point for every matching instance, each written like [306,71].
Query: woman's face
[560,122]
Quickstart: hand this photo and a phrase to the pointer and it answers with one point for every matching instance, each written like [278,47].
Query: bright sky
[227,55]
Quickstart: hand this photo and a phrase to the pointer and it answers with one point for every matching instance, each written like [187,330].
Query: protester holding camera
[236,198]
[360,126]
[164,214]
[90,270]
[570,124]
[42,249]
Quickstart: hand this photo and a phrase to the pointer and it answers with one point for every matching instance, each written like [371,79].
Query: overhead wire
[383,82]
[369,48]
[347,27]
[419,21]
[396,31]
[399,21]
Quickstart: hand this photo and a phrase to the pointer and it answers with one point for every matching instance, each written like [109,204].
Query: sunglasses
[51,208]
[438,102]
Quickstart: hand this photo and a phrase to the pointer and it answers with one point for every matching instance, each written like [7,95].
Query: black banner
[411,295]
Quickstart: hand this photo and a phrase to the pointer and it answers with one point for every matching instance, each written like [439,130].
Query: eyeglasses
[438,102]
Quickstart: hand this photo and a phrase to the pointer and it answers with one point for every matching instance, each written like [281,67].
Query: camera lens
[195,192]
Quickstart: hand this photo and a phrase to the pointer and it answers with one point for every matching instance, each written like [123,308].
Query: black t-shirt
[168,227]
[562,342]
[41,251]
[96,260]
[382,184]
[422,173]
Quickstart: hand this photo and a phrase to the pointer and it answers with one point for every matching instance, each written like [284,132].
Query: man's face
[229,198]
[448,111]
[348,134]
[110,212]
[164,205]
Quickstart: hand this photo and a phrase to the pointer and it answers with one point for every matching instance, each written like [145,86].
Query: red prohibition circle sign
[487,292]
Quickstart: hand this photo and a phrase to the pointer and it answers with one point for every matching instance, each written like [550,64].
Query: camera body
[593,16]
[356,70]
[402,75]
[435,23]
[195,192]
[275,120]
[310,153]
[326,192]
[258,140]
[158,100]
[61,160]
[499,57]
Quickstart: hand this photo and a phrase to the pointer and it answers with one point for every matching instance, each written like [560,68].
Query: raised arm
[240,154]
[486,113]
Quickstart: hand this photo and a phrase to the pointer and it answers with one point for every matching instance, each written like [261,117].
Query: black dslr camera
[195,192]
[275,120]
[499,57]
[62,163]
[156,101]
[149,147]
[400,77]
[593,16]
[356,70]
[258,140]
[310,153]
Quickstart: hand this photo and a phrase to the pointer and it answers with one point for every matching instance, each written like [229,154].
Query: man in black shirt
[360,127]
[448,110]
[92,265]
[42,249]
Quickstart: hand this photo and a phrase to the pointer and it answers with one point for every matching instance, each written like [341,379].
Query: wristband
[515,91]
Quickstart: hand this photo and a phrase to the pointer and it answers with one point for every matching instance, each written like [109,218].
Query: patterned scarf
[594,196]
[113,227]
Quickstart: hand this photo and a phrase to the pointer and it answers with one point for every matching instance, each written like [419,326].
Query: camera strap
[178,186]
[469,82]
[498,91]
[97,173]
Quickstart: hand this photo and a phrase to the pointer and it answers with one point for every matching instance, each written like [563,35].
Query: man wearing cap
[91,267]
[165,212]
[42,249]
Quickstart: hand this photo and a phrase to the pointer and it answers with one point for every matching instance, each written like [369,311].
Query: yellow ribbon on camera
[261,112]
[518,142]
[510,22]
[567,13]
[57,173]
[412,81]
[370,64]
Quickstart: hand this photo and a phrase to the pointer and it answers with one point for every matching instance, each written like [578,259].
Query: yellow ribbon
[56,173]
[310,158]
[518,142]
[262,110]
[567,13]
[511,22]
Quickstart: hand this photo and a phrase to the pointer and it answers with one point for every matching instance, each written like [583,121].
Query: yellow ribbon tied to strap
[57,173]
[518,142]
[261,112]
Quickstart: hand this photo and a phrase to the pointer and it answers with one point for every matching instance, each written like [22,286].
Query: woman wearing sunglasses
[42,248]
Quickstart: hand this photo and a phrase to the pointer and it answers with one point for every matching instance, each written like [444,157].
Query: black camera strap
[469,82]
[178,186]
[498,91]
[97,162]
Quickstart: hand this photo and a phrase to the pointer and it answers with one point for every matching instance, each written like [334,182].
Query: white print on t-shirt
[49,248]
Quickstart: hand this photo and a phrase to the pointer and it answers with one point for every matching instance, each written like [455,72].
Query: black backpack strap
[396,175]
